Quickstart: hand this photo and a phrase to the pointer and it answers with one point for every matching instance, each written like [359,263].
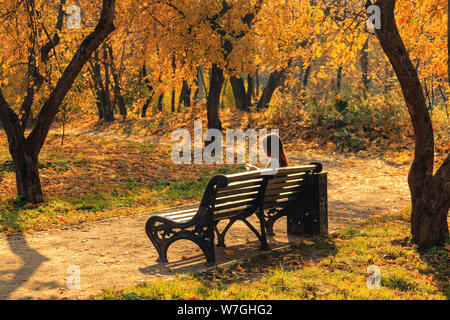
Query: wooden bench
[296,192]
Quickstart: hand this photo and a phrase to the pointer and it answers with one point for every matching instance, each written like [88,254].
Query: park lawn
[95,178]
[328,267]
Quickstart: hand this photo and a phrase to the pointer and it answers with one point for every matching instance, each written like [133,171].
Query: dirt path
[117,253]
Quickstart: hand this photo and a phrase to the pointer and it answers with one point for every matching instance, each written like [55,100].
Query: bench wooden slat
[284,178]
[289,170]
[237,197]
[182,215]
[177,212]
[279,203]
[224,214]
[241,185]
[283,195]
[181,220]
[227,193]
[235,204]
[246,175]
[279,186]
[280,190]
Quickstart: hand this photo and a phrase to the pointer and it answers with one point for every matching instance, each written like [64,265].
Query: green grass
[334,267]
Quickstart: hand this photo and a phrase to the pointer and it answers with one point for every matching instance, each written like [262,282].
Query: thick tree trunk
[275,80]
[185,95]
[239,93]
[430,194]
[215,88]
[27,177]
[100,110]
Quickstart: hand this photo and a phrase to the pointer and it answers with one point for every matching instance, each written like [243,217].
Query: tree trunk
[100,110]
[239,93]
[275,80]
[339,79]
[213,102]
[102,90]
[150,89]
[364,60]
[185,95]
[430,194]
[200,93]
[116,85]
[250,91]
[109,111]
[173,101]
[145,107]
[27,171]
[306,76]
[256,83]
[27,178]
[160,102]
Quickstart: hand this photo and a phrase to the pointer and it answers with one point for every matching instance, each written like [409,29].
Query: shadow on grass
[438,261]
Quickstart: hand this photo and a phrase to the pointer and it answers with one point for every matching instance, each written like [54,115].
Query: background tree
[27,17]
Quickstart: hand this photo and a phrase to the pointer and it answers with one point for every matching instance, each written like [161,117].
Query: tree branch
[48,112]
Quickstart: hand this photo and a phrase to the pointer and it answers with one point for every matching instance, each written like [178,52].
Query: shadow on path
[197,263]
[31,260]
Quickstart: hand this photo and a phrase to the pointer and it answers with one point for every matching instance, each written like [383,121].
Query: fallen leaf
[230,252]
[239,268]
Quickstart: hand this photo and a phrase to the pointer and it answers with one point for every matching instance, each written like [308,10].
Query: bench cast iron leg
[159,244]
[264,245]
[221,235]
[162,237]
[262,237]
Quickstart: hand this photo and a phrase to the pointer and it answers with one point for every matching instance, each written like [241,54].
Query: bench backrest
[245,191]
[285,186]
[242,192]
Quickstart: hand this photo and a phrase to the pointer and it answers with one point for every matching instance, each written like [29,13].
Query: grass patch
[334,267]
